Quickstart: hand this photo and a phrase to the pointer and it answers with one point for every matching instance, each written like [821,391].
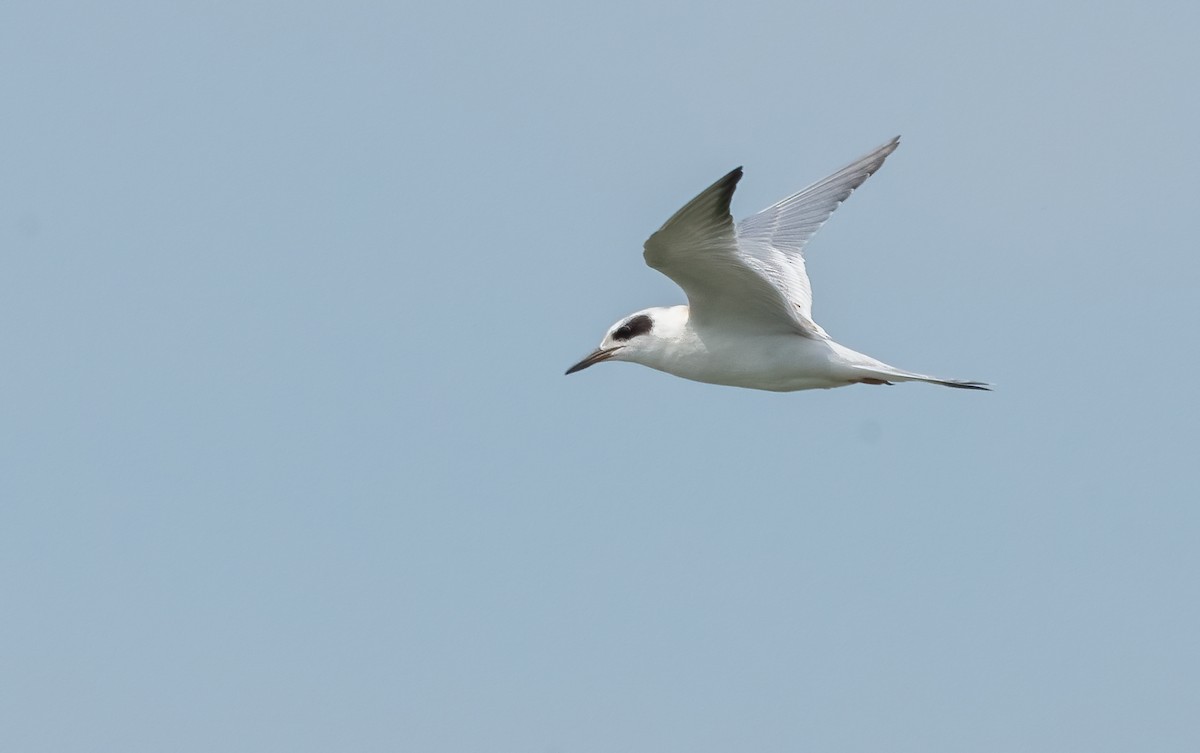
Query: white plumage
[748,322]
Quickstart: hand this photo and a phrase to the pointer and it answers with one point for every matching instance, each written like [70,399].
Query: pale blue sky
[287,459]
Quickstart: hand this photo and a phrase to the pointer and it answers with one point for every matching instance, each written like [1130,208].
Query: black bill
[595,357]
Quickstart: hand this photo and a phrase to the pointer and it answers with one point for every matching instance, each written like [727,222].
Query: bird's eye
[638,325]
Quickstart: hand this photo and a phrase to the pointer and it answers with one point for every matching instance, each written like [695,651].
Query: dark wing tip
[968,385]
[726,185]
[708,208]
[728,182]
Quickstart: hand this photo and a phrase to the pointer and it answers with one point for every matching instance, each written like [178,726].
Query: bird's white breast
[777,362]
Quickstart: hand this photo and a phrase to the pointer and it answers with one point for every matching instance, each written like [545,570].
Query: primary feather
[753,274]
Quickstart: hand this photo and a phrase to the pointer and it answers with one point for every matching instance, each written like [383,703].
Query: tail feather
[881,376]
[960,384]
[870,371]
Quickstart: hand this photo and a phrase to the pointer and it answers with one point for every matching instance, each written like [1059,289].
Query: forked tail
[959,384]
[890,376]
[871,371]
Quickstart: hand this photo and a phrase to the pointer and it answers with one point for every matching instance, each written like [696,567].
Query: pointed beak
[595,357]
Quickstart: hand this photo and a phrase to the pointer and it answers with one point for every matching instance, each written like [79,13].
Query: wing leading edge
[752,274]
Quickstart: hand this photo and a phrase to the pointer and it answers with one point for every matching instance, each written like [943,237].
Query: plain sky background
[287,458]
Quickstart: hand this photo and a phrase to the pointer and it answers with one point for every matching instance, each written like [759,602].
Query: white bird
[748,322]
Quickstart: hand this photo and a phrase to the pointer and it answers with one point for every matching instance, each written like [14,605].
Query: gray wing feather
[697,248]
[773,240]
[752,274]
[703,223]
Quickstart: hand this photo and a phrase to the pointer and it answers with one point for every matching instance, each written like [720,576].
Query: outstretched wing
[751,276]
[697,248]
[772,241]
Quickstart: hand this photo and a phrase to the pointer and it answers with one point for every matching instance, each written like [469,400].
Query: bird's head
[641,337]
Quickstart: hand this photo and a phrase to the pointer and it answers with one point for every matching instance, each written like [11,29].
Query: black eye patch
[638,325]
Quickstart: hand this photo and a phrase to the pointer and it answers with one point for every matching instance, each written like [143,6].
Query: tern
[748,321]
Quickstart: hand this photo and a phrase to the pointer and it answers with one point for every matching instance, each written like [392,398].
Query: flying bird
[748,321]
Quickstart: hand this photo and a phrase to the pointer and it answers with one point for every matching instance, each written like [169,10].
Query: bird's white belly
[781,363]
